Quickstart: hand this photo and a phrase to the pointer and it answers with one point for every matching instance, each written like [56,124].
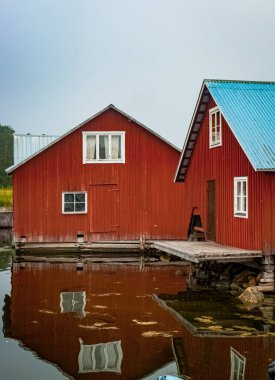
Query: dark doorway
[211,210]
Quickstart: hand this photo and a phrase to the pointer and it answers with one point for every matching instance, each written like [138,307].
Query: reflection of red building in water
[102,322]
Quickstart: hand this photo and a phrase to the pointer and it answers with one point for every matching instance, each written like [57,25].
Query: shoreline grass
[6,197]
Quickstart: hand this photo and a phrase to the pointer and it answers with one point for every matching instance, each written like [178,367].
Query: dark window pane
[69,197]
[100,358]
[67,297]
[238,188]
[69,207]
[80,197]
[103,147]
[80,207]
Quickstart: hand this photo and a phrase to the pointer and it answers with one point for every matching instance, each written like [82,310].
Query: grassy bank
[6,198]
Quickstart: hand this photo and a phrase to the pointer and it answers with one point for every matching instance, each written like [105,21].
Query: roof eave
[203,86]
[272,170]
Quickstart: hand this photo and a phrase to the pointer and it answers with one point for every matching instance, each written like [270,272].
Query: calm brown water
[117,322]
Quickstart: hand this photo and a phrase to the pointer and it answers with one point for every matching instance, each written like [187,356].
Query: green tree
[6,154]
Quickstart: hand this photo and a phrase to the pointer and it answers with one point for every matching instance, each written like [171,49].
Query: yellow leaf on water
[47,312]
[246,328]
[215,327]
[144,323]
[204,319]
[150,334]
[93,327]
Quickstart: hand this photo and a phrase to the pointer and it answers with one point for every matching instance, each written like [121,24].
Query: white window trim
[82,293]
[104,346]
[241,359]
[237,213]
[74,212]
[104,161]
[218,143]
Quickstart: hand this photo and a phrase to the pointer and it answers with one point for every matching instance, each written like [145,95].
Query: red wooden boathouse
[228,165]
[110,178]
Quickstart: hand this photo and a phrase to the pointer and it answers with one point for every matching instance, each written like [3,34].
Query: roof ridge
[237,81]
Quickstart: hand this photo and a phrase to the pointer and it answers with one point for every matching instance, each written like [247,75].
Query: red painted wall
[35,309]
[222,164]
[142,199]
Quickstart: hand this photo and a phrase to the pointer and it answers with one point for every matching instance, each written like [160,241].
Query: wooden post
[267,280]
[142,242]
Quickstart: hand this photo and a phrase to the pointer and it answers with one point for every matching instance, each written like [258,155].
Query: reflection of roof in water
[217,313]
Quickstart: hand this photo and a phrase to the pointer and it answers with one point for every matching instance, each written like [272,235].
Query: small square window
[215,127]
[103,147]
[240,197]
[74,203]
[73,302]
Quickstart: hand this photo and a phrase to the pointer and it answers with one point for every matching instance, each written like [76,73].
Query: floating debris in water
[215,327]
[47,311]
[93,327]
[254,317]
[144,323]
[246,328]
[105,294]
[164,334]
[204,319]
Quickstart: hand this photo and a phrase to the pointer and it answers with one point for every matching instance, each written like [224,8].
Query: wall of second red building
[124,200]
[222,164]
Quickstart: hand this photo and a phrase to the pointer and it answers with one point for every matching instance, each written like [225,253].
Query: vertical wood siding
[124,200]
[222,164]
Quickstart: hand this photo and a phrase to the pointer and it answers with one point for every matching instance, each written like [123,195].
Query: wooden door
[104,208]
[211,210]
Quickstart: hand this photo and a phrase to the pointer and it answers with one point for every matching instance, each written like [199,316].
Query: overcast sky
[64,60]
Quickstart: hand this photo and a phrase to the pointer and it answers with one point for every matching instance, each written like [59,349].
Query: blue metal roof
[249,109]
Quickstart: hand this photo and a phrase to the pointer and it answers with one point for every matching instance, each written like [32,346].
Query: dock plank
[203,250]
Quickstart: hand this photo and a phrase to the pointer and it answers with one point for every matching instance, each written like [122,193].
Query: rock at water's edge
[252,296]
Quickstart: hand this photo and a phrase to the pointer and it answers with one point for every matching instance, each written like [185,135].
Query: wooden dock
[79,248]
[195,251]
[204,250]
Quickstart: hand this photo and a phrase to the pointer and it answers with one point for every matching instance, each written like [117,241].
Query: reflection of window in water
[100,357]
[73,302]
[237,365]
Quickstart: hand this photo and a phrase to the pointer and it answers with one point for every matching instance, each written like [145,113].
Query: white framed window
[74,202]
[103,147]
[237,365]
[73,302]
[215,127]
[241,197]
[101,357]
